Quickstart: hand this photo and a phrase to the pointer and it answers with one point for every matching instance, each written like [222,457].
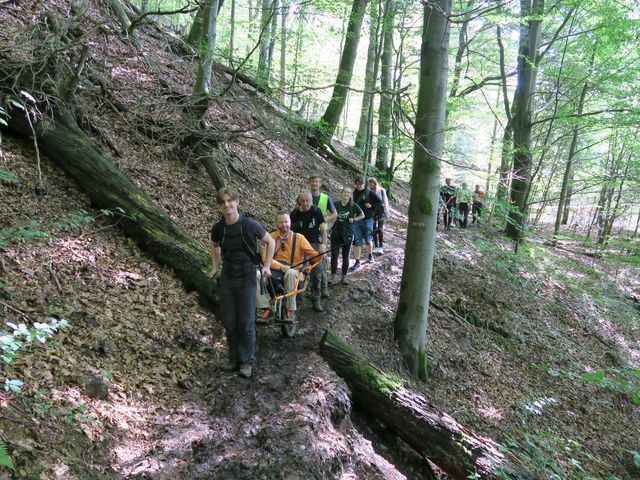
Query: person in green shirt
[464,202]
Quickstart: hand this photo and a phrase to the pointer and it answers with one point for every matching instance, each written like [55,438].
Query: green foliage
[8,177]
[625,381]
[35,231]
[5,459]
[71,414]
[12,342]
[548,455]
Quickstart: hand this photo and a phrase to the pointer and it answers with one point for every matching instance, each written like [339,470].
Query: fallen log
[108,187]
[428,430]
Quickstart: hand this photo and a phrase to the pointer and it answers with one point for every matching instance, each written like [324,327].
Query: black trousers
[378,225]
[239,316]
[464,211]
[337,245]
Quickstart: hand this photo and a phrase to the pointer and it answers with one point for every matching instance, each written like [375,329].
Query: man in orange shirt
[292,249]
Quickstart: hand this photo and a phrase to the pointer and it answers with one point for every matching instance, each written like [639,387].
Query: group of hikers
[316,226]
[455,203]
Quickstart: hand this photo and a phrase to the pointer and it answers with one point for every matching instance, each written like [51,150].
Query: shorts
[362,231]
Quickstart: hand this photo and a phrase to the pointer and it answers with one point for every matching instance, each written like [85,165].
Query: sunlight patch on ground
[76,250]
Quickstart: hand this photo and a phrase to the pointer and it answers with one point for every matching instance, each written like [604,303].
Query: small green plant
[71,414]
[5,459]
[625,381]
[617,380]
[34,230]
[8,177]
[12,342]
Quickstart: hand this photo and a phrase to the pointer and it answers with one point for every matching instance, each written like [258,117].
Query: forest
[497,333]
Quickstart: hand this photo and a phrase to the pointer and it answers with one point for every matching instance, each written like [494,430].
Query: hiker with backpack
[448,195]
[328,209]
[381,213]
[292,251]
[368,202]
[234,242]
[342,234]
[309,221]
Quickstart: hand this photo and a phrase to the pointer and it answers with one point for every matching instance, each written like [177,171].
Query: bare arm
[323,233]
[271,246]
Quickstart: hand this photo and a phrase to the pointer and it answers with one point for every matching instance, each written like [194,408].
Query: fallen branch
[427,429]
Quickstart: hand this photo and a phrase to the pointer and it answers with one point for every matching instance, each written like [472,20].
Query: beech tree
[331,117]
[411,320]
[531,17]
[386,84]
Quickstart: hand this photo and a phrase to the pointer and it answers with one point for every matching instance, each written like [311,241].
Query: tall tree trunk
[567,202]
[492,150]
[232,31]
[572,152]
[410,326]
[195,32]
[250,26]
[396,105]
[331,117]
[504,176]
[531,12]
[368,148]
[635,232]
[615,212]
[272,38]
[386,97]
[363,135]
[296,55]
[283,51]
[462,47]
[265,40]
[205,66]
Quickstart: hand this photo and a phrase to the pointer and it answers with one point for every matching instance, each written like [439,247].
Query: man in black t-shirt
[309,221]
[234,241]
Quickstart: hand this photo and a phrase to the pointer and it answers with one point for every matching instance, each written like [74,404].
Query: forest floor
[538,350]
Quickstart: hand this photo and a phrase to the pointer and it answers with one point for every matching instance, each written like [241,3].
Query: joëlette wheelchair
[280,314]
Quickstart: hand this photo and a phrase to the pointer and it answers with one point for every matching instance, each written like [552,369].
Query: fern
[5,458]
[9,178]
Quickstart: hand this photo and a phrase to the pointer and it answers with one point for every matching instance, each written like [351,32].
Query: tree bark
[363,136]
[430,431]
[410,327]
[331,117]
[386,97]
[205,65]
[531,14]
[572,152]
[108,187]
[265,39]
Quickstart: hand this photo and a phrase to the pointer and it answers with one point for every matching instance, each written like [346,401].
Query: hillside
[511,338]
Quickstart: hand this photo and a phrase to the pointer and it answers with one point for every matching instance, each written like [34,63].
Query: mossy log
[430,431]
[109,188]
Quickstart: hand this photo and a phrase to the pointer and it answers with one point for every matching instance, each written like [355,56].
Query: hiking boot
[354,267]
[370,258]
[333,279]
[229,365]
[317,306]
[381,250]
[324,294]
[344,280]
[245,370]
[264,315]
